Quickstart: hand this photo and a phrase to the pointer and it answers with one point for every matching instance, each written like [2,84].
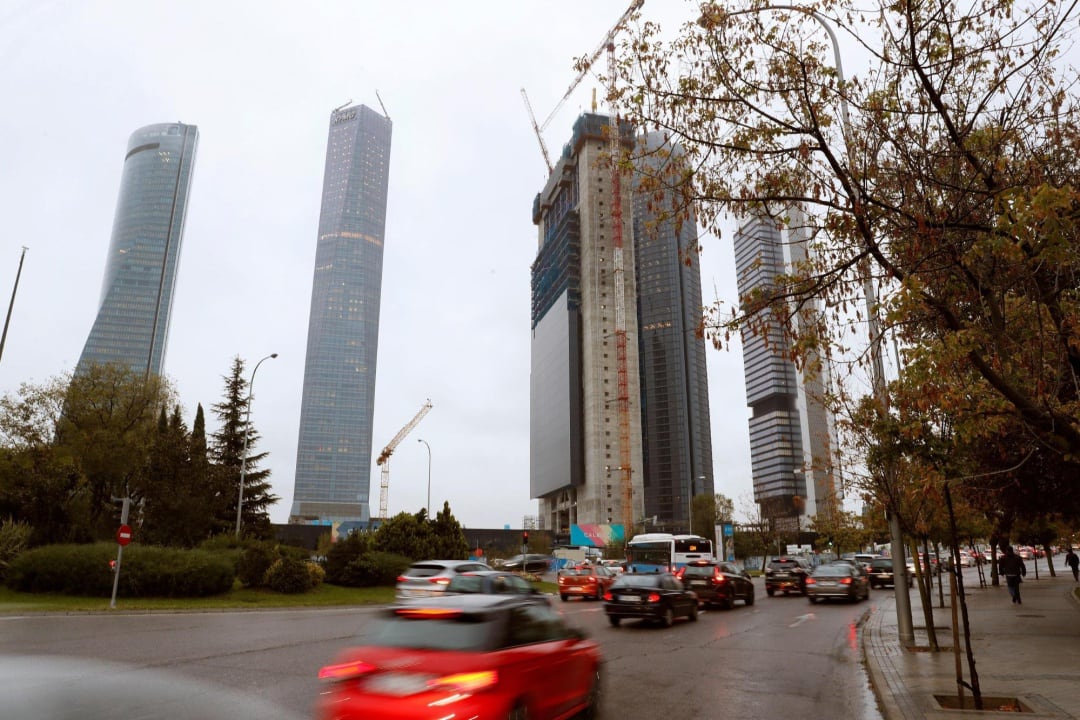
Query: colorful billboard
[596,535]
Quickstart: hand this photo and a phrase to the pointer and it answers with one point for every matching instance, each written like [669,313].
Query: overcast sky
[260,79]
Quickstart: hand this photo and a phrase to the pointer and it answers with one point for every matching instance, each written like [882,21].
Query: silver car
[430,577]
[838,580]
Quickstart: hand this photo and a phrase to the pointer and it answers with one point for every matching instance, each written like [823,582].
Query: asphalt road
[780,658]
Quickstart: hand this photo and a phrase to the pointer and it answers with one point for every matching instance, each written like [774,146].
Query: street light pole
[247,433]
[903,601]
[428,475]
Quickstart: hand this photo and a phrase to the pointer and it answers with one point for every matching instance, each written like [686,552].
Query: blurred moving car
[837,580]
[880,573]
[585,581]
[659,597]
[967,559]
[491,582]
[786,574]
[55,687]
[430,577]
[532,563]
[617,567]
[466,656]
[718,583]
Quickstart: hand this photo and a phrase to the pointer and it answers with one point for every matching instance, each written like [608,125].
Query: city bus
[664,552]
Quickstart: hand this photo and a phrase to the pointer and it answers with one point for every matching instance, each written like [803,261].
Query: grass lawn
[12,603]
[240,598]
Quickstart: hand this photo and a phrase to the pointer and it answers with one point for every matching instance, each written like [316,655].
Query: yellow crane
[384,456]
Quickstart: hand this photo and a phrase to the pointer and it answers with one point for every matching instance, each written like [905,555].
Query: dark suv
[787,574]
[717,583]
[881,573]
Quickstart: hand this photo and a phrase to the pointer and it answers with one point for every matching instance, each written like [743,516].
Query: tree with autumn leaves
[946,172]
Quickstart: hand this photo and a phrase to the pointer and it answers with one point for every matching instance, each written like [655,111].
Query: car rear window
[577,571]
[837,570]
[881,564]
[464,632]
[639,581]
[424,570]
[783,565]
[698,571]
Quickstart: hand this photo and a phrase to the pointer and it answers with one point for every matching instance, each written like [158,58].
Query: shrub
[294,552]
[14,537]
[145,571]
[254,561]
[317,574]
[288,575]
[341,554]
[374,569]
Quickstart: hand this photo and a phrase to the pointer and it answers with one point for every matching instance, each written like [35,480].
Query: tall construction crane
[384,456]
[585,66]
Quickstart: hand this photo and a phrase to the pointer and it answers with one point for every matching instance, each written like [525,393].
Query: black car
[881,573]
[531,563]
[786,574]
[659,597]
[718,583]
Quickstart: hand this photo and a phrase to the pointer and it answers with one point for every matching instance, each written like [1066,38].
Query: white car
[966,559]
[430,577]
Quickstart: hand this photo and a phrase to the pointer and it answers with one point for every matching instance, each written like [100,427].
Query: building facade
[792,433]
[676,430]
[575,430]
[333,458]
[132,323]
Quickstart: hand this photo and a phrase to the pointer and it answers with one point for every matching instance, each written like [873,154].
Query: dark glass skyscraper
[675,426]
[333,458]
[132,324]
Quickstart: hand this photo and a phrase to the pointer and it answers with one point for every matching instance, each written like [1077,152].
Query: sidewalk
[1030,651]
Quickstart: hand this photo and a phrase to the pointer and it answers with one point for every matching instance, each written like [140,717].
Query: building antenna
[342,107]
[381,105]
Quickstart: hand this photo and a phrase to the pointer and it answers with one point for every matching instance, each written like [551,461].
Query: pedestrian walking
[1013,568]
[1073,561]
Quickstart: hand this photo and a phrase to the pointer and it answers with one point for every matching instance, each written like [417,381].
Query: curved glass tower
[132,325]
[333,456]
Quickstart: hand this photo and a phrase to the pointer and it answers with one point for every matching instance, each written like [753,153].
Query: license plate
[697,583]
[396,684]
[629,598]
[826,584]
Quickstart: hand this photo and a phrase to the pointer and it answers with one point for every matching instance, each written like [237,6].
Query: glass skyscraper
[132,324]
[675,424]
[333,458]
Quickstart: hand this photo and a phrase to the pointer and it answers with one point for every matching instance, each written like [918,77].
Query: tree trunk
[924,596]
[1049,559]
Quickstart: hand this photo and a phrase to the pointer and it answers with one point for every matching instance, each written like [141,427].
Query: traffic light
[524,537]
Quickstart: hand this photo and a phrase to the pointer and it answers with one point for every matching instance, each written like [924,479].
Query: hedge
[146,571]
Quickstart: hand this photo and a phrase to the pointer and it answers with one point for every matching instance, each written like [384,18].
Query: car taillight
[402,578]
[607,596]
[810,581]
[653,597]
[439,580]
[680,572]
[469,682]
[845,581]
[720,578]
[345,671]
[590,579]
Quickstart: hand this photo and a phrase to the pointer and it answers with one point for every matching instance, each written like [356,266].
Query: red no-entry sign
[123,535]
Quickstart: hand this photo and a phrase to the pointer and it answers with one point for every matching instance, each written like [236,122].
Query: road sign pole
[125,508]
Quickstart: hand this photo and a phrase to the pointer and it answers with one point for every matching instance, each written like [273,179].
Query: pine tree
[227,457]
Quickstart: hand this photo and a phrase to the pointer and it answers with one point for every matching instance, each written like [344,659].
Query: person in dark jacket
[1073,561]
[1012,567]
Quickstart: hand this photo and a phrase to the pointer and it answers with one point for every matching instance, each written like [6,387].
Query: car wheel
[668,618]
[750,597]
[770,592]
[592,703]
[565,597]
[518,712]
[693,613]
[614,620]
[813,601]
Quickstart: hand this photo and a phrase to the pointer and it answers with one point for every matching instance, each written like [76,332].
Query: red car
[466,656]
[585,581]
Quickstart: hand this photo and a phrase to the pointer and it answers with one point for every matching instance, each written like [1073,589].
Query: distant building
[333,458]
[677,434]
[132,323]
[792,433]
[574,465]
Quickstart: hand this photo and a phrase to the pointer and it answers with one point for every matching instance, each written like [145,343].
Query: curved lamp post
[428,475]
[247,433]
